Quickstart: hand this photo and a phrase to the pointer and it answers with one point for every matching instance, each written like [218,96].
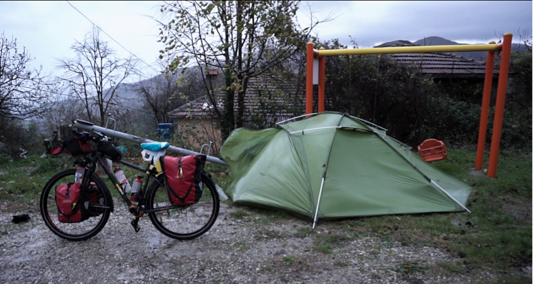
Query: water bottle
[122,179]
[136,186]
[79,174]
[134,191]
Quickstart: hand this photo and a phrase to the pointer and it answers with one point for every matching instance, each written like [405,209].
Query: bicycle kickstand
[135,224]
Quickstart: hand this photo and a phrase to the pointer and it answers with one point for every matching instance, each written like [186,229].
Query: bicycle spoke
[100,209]
[183,222]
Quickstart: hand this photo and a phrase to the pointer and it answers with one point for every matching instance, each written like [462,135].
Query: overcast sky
[49,29]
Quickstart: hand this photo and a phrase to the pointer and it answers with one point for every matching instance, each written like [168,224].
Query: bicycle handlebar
[86,125]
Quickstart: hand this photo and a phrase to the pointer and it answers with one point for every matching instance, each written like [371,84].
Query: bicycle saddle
[155,146]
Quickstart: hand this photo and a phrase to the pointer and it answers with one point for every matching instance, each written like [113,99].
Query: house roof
[264,99]
[198,108]
[438,65]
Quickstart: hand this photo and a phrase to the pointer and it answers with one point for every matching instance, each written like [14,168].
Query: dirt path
[252,249]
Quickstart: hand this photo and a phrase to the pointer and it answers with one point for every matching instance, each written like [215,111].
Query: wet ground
[253,249]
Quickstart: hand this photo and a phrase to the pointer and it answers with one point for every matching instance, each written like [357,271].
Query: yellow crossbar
[409,49]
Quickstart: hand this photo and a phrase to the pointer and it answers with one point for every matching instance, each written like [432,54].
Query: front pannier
[69,200]
[75,204]
[183,176]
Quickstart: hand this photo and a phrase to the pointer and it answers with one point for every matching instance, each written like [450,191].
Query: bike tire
[75,231]
[183,222]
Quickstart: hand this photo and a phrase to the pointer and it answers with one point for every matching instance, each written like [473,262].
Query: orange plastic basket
[432,150]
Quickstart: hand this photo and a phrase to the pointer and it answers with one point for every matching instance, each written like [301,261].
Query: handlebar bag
[183,176]
[109,150]
[76,146]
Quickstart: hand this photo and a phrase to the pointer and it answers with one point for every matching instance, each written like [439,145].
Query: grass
[495,237]
[325,242]
[288,259]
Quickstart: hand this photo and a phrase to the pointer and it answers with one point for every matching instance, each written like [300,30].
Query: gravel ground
[252,249]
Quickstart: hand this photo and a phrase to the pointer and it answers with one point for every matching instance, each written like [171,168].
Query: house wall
[195,132]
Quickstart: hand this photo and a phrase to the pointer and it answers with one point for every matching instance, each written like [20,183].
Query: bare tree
[95,74]
[61,110]
[22,91]
[166,92]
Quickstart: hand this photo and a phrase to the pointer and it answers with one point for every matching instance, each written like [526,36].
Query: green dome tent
[331,165]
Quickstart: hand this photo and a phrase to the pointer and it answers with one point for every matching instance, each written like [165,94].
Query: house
[196,124]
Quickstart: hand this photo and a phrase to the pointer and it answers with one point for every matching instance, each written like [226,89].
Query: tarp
[350,164]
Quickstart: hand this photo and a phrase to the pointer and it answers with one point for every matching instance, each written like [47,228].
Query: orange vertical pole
[500,104]
[309,80]
[321,82]
[485,105]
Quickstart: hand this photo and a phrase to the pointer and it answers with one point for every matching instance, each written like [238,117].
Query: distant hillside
[128,93]
[476,55]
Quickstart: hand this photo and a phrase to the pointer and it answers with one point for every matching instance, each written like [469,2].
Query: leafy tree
[95,74]
[22,91]
[240,39]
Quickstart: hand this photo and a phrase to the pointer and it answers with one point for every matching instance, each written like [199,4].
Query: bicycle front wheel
[100,208]
[183,222]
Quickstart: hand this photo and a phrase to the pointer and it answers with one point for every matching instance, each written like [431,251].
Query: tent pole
[319,197]
[451,197]
[324,175]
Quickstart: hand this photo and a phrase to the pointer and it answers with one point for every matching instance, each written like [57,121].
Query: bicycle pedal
[135,224]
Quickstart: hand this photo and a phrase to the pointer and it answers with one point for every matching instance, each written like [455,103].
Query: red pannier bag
[68,203]
[73,203]
[183,176]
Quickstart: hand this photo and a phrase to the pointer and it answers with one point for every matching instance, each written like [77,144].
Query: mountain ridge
[476,55]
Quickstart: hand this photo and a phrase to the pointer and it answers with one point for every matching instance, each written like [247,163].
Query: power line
[95,25]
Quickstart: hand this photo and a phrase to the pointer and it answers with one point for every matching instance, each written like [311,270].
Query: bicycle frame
[151,174]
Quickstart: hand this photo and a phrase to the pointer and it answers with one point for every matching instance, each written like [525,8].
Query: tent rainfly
[333,165]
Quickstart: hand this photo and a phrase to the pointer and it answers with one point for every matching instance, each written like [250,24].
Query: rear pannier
[183,176]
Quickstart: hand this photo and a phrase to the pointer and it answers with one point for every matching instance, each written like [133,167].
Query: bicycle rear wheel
[183,222]
[100,208]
